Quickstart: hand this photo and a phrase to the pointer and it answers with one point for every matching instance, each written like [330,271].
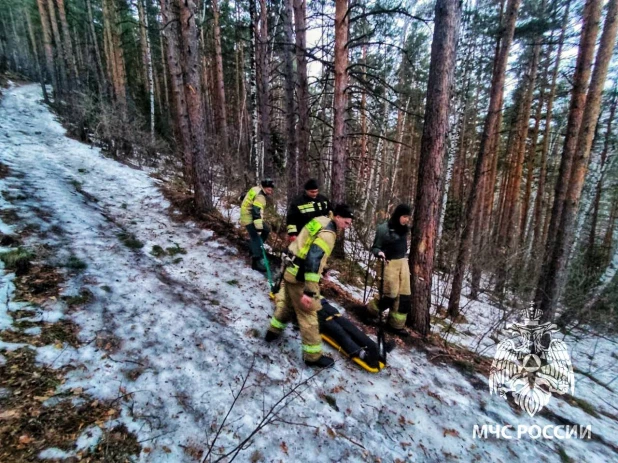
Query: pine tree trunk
[302,91]
[35,51]
[340,102]
[222,109]
[433,145]
[487,139]
[580,130]
[169,16]
[189,57]
[539,204]
[68,45]
[264,92]
[47,45]
[147,55]
[293,184]
[253,51]
[97,50]
[62,59]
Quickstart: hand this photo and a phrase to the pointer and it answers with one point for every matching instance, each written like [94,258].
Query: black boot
[322,362]
[271,336]
[257,264]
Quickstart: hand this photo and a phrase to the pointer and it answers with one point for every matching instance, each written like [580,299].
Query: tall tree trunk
[599,186]
[509,225]
[97,50]
[582,124]
[290,117]
[62,59]
[220,86]
[47,45]
[264,92]
[35,52]
[433,146]
[253,51]
[147,55]
[539,204]
[340,102]
[115,54]
[489,130]
[300,11]
[169,16]
[67,44]
[189,54]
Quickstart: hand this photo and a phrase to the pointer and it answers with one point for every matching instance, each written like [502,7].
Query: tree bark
[489,134]
[302,91]
[340,102]
[68,45]
[35,52]
[220,86]
[62,59]
[189,54]
[433,145]
[47,45]
[539,204]
[293,179]
[599,186]
[147,58]
[580,130]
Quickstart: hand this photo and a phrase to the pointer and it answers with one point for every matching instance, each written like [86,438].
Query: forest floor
[130,331]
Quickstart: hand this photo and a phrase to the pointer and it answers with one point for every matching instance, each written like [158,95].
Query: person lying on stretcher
[352,340]
[346,334]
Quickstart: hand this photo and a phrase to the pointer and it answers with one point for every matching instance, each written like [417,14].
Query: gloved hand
[292,238]
[306,302]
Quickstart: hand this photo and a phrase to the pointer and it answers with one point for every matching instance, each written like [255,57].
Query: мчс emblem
[531,365]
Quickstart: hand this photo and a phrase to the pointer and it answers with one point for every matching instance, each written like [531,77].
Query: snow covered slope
[186,329]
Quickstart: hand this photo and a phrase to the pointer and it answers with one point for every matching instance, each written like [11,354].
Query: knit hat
[312,184]
[344,211]
[393,222]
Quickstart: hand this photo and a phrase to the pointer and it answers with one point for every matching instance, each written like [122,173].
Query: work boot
[322,362]
[271,336]
[257,264]
[401,332]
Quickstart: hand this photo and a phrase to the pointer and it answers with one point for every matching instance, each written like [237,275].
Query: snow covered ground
[185,325]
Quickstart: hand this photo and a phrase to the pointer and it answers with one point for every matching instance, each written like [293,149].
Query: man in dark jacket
[305,207]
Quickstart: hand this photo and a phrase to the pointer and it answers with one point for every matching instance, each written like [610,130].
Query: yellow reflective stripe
[304,211]
[312,348]
[260,205]
[258,222]
[277,324]
[292,229]
[323,245]
[399,316]
[313,277]
[293,270]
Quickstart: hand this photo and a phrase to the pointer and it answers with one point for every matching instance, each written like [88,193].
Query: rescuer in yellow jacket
[309,253]
[251,216]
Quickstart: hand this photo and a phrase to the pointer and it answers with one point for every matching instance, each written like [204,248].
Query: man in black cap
[305,207]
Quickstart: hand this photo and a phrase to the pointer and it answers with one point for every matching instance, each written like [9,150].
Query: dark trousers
[254,239]
[344,332]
